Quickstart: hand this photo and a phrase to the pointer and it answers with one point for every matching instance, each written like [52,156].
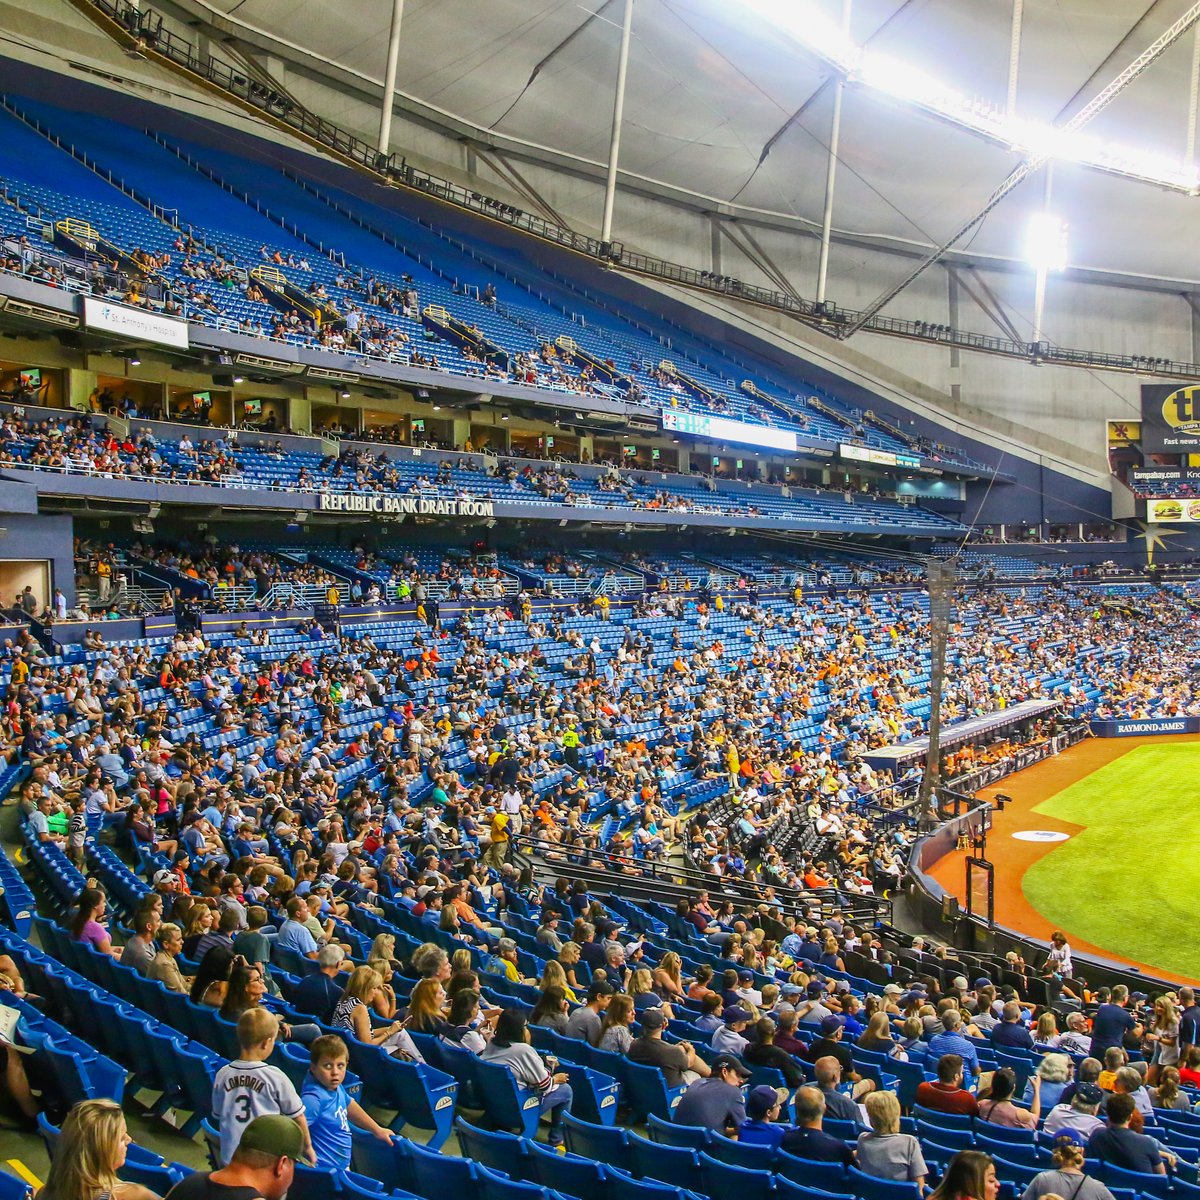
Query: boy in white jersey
[250,1087]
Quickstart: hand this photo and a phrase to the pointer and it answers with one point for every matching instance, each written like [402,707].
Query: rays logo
[1181,409]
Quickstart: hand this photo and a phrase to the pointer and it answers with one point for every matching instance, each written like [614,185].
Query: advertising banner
[1171,512]
[1171,417]
[1145,728]
[135,323]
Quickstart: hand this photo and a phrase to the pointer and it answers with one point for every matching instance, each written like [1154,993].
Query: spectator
[163,967]
[838,1105]
[90,1152]
[586,1022]
[1055,1073]
[762,1110]
[952,1041]
[1116,1143]
[615,1035]
[947,1094]
[1079,1115]
[970,1175]
[716,1102]
[317,995]
[808,1140]
[250,1087]
[679,1063]
[1112,1022]
[885,1152]
[729,1038]
[510,1048]
[1067,1178]
[263,1166]
[1010,1033]
[997,1107]
[329,1109]
[762,1052]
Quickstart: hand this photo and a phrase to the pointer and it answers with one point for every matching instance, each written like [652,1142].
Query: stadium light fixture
[805,21]
[1046,242]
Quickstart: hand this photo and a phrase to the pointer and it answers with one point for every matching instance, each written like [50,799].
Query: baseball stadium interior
[599,601]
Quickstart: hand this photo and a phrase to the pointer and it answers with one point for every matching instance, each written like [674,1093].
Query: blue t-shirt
[761,1133]
[294,936]
[327,1113]
[1109,1027]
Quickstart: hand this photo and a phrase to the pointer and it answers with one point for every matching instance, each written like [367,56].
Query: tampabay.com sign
[433,506]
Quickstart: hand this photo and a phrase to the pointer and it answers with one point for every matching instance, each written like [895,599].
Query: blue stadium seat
[605,1144]
[492,1185]
[868,1187]
[507,1104]
[583,1178]
[825,1176]
[668,1133]
[1145,1184]
[725,1182]
[493,1147]
[675,1165]
[13,1188]
[740,1154]
[390,1164]
[436,1176]
[623,1186]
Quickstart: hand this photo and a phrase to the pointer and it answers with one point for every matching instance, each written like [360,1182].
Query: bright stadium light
[805,21]
[1046,242]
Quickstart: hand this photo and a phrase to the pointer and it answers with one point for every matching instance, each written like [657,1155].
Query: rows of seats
[203,190]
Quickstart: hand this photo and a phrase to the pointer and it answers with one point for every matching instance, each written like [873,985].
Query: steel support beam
[389,78]
[614,141]
[1193,99]
[835,135]
[1019,174]
[1014,56]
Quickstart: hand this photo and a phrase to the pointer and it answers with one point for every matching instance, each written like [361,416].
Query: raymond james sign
[1145,727]
[432,506]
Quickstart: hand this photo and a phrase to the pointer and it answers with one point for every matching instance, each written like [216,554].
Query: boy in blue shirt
[329,1109]
[758,1129]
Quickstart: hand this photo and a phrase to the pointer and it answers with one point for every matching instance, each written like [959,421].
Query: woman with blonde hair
[90,1151]
[568,959]
[668,977]
[425,1008]
[641,989]
[1046,1033]
[615,1034]
[1167,1094]
[1164,1034]
[885,1152]
[384,1004]
[352,1015]
[553,975]
[877,1037]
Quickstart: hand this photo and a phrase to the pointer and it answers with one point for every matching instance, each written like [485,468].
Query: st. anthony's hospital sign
[434,506]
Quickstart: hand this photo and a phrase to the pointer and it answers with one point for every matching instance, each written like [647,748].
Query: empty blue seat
[676,1165]
[390,1164]
[605,1144]
[13,1188]
[1142,1182]
[583,1178]
[436,1176]
[494,1186]
[741,1154]
[725,1182]
[668,1133]
[825,1176]
[493,1147]
[868,1187]
[623,1186]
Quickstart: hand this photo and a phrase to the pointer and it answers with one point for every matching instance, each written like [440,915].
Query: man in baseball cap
[729,1039]
[263,1165]
[716,1102]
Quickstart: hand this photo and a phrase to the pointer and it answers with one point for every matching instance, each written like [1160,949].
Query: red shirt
[942,1097]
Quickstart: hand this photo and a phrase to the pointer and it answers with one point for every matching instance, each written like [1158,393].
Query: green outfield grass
[1127,882]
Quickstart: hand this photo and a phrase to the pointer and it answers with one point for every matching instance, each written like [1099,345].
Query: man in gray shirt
[585,1021]
[139,950]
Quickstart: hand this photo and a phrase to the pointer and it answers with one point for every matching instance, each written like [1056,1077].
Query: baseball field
[1122,880]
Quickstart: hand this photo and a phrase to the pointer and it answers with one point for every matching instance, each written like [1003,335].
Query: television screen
[630,451]
[418,426]
[201,399]
[252,408]
[31,377]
